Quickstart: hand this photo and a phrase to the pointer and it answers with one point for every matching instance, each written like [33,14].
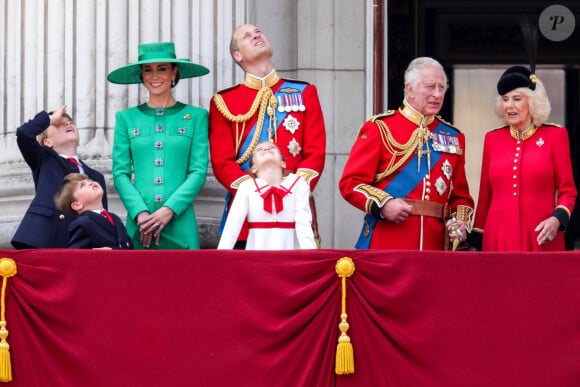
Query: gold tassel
[344,351]
[7,269]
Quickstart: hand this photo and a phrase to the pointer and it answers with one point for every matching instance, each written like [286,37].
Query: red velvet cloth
[237,318]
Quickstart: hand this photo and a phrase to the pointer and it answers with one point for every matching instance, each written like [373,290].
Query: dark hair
[175,80]
[65,195]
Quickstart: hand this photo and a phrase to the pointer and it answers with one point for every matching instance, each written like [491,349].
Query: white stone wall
[60,51]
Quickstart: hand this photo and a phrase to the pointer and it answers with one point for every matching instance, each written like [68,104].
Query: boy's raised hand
[56,116]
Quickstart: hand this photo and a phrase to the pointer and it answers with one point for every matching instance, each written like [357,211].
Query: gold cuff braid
[464,214]
[373,195]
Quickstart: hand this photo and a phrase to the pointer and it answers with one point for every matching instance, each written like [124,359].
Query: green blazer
[160,158]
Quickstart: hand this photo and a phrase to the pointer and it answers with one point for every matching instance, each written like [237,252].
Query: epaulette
[551,124]
[388,113]
[229,89]
[499,127]
[447,123]
[296,80]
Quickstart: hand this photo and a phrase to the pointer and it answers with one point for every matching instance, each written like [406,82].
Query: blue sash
[404,183]
[280,116]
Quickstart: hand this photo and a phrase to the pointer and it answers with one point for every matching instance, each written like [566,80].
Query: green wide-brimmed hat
[155,53]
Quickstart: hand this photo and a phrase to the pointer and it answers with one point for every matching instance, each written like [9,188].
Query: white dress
[286,229]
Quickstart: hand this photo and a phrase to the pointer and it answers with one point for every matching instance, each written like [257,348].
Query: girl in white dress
[277,207]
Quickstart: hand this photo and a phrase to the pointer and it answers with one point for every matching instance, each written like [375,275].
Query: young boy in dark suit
[94,227]
[51,157]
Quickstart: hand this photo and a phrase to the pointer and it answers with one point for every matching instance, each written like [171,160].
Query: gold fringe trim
[7,270]
[396,149]
[266,102]
[344,351]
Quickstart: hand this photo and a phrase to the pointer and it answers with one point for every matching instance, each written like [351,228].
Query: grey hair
[413,72]
[538,102]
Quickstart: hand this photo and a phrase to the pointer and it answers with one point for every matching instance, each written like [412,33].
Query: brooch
[187,117]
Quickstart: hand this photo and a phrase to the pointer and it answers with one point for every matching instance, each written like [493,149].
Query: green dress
[160,158]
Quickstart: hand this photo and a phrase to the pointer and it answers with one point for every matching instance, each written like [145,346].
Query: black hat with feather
[520,76]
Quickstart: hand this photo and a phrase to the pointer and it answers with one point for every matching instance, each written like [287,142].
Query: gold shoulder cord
[406,150]
[266,102]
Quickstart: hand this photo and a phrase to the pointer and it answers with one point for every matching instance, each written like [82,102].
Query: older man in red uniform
[265,107]
[406,170]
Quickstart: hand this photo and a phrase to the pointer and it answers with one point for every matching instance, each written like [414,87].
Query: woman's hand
[548,229]
[153,224]
[145,237]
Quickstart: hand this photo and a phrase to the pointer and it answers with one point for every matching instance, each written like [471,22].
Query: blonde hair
[538,102]
[65,196]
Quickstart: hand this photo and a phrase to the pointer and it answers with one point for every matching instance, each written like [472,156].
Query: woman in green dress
[160,152]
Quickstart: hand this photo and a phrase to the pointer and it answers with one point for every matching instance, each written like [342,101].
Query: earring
[173,82]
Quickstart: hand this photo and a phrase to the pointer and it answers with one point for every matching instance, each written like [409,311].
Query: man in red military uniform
[264,108]
[406,170]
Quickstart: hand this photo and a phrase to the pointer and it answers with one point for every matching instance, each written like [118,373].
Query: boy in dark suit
[94,227]
[50,157]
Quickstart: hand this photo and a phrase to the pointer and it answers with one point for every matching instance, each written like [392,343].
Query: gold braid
[406,150]
[261,101]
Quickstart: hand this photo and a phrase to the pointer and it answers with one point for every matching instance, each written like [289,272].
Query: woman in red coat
[527,189]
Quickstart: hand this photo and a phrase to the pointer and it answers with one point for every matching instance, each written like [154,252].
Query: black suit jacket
[43,225]
[91,230]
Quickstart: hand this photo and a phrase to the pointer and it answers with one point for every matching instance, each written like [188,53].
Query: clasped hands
[151,225]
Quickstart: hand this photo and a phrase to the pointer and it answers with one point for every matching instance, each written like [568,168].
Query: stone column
[60,52]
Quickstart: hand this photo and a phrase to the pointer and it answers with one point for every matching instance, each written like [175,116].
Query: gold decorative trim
[266,102]
[465,214]
[307,174]
[379,116]
[447,123]
[373,194]
[414,116]
[565,209]
[7,269]
[526,134]
[237,182]
[344,360]
[257,83]
[405,151]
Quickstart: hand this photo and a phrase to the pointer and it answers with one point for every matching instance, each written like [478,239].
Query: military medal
[540,142]
[301,106]
[294,103]
[288,107]
[280,105]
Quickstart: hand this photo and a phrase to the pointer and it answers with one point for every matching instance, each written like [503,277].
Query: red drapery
[237,318]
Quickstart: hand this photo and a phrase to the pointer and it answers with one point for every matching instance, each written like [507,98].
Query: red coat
[307,139]
[522,183]
[446,182]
